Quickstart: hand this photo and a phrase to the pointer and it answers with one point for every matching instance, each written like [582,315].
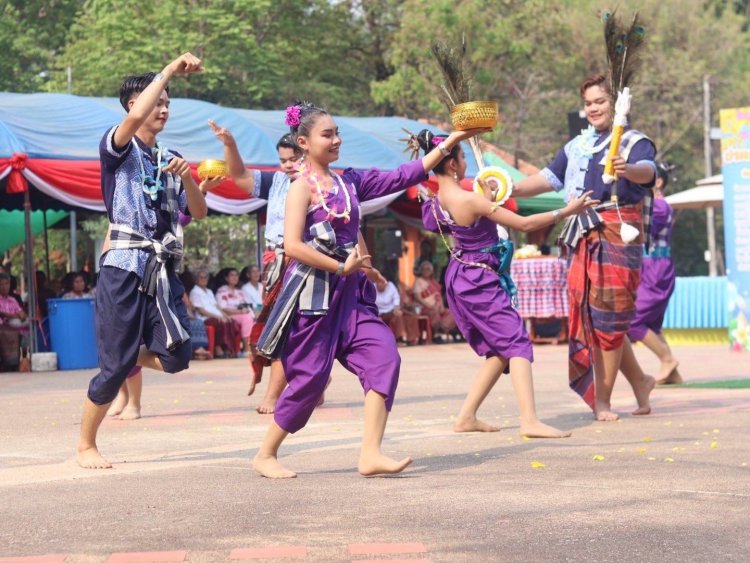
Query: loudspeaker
[392,243]
[576,123]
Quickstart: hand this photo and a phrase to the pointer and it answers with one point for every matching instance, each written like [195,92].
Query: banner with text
[735,168]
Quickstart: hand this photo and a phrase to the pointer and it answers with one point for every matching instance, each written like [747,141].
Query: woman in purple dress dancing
[326,310]
[479,295]
[657,285]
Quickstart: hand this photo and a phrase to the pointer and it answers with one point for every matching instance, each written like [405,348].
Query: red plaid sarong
[603,276]
[270,294]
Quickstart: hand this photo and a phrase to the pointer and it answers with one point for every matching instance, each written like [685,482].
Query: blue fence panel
[698,302]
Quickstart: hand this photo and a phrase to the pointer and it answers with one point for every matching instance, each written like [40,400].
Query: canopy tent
[708,192]
[51,141]
[13,228]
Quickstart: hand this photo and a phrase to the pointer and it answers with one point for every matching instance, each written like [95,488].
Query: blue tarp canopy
[51,129]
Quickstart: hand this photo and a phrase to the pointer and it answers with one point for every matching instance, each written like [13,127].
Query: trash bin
[73,332]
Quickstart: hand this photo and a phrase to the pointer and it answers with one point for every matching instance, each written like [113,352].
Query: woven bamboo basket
[475,115]
[212,169]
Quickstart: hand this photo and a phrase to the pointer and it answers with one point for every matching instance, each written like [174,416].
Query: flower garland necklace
[318,188]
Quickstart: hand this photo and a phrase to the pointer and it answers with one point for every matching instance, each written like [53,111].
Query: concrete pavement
[672,485]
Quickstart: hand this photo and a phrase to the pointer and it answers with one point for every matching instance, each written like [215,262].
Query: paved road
[675,485]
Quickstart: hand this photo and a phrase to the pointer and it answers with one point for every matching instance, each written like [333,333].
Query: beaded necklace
[317,187]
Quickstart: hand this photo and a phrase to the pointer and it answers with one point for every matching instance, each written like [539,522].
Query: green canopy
[12,227]
[527,205]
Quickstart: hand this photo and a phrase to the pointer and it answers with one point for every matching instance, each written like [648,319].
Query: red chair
[425,326]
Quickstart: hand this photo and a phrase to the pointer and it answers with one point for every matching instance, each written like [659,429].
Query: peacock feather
[455,82]
[624,46]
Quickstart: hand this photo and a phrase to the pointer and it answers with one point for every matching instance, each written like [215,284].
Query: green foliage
[31,33]
[373,56]
[221,241]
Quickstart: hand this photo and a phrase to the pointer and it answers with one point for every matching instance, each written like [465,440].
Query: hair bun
[424,138]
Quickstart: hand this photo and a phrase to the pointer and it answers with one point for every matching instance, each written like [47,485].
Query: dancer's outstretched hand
[210,183]
[222,133]
[185,64]
[355,261]
[580,203]
[488,191]
[458,136]
[178,166]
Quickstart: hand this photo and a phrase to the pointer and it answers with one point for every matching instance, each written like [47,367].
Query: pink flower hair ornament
[292,116]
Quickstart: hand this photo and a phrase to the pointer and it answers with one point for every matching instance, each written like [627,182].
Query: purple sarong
[351,331]
[482,309]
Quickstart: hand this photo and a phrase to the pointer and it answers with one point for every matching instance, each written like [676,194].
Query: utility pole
[710,222]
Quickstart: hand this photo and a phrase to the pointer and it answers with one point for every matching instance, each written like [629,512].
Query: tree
[31,33]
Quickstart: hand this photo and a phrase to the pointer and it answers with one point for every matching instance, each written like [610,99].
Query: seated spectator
[13,323]
[196,328]
[77,287]
[404,324]
[426,254]
[231,301]
[427,294]
[207,310]
[252,287]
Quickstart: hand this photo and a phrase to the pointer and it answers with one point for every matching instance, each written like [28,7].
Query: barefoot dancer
[326,309]
[271,186]
[478,295]
[656,287]
[127,404]
[603,269]
[144,186]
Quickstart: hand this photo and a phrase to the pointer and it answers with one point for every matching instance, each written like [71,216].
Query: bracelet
[443,148]
[158,77]
[556,215]
[495,206]
[340,269]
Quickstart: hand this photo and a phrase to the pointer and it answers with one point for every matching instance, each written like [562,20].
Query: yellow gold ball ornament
[212,169]
[498,179]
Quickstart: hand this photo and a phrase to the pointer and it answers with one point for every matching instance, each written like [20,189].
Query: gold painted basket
[475,115]
[212,169]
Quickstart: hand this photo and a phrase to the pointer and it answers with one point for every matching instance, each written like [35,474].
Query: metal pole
[30,270]
[73,242]
[710,223]
[46,245]
[70,79]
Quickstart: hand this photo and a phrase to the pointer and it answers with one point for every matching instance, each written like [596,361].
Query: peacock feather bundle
[624,45]
[450,60]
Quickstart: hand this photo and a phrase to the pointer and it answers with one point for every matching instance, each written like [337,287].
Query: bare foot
[473,425]
[130,413]
[267,406]
[90,458]
[369,466]
[540,430]
[603,412]
[673,378]
[251,390]
[118,404]
[667,368]
[269,466]
[642,396]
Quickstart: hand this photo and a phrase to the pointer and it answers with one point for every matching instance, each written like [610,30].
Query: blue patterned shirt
[127,203]
[273,187]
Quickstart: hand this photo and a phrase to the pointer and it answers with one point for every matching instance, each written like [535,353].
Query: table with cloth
[542,294]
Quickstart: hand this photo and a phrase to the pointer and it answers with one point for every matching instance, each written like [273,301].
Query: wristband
[443,148]
[340,269]
[158,77]
[556,215]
